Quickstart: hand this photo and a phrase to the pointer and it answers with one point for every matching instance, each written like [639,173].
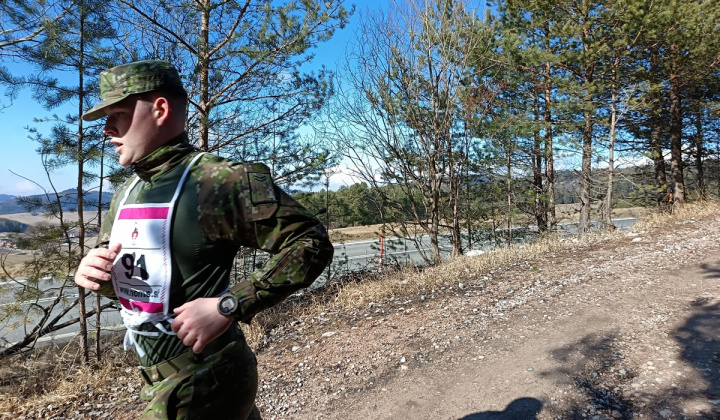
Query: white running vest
[142,271]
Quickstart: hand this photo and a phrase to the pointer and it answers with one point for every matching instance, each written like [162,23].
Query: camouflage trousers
[220,386]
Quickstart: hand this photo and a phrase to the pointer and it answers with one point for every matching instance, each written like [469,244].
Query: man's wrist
[238,302]
[228,305]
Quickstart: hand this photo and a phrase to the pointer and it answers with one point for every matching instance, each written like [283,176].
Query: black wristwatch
[227,305]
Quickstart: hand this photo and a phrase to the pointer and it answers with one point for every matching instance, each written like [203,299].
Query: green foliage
[246,67]
[354,205]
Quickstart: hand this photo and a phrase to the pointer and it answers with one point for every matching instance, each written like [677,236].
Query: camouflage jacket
[224,205]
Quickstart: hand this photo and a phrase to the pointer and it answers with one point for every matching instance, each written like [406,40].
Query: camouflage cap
[122,81]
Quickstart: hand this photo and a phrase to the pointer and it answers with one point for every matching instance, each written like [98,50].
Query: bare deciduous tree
[400,120]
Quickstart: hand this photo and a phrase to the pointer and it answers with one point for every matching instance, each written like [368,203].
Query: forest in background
[447,114]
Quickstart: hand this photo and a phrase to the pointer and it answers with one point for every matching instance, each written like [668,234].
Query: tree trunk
[676,162]
[611,152]
[435,229]
[508,184]
[656,127]
[657,153]
[585,171]
[98,298]
[455,194]
[204,64]
[454,180]
[80,195]
[435,184]
[495,213]
[549,155]
[468,203]
[537,158]
[588,115]
[699,152]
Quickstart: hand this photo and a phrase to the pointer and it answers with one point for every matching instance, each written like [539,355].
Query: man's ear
[161,110]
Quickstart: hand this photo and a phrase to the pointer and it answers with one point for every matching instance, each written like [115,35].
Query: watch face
[227,305]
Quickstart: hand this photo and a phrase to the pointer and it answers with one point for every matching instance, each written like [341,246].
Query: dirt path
[623,329]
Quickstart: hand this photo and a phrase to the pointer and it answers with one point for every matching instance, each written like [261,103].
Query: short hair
[177,97]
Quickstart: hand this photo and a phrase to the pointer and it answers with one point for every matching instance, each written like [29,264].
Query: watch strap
[248,303]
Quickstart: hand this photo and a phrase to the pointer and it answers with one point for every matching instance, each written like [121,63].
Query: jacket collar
[164,158]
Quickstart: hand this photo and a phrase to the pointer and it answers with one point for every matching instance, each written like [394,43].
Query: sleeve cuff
[248,303]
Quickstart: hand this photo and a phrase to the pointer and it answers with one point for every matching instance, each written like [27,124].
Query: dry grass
[14,263]
[57,374]
[356,233]
[406,282]
[679,213]
[356,294]
[564,213]
[571,212]
[463,269]
[636,212]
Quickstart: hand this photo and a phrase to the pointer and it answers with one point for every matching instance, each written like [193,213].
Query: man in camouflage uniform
[168,243]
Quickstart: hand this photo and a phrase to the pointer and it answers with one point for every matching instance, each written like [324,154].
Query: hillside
[14,217]
[7,225]
[620,327]
[613,326]
[11,204]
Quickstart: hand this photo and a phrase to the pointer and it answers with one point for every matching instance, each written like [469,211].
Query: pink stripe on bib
[149,307]
[144,213]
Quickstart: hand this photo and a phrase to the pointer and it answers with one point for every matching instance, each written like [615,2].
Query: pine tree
[678,41]
[245,63]
[74,43]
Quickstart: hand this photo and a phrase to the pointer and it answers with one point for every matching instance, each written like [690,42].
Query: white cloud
[625,162]
[342,176]
[22,187]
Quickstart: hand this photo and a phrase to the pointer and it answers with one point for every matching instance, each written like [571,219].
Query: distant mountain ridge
[10,204]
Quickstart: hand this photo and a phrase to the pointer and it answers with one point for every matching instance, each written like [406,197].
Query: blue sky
[19,151]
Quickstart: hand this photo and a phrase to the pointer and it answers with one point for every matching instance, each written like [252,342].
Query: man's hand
[198,322]
[96,265]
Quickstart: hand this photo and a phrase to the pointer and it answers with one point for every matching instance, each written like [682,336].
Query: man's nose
[109,129]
